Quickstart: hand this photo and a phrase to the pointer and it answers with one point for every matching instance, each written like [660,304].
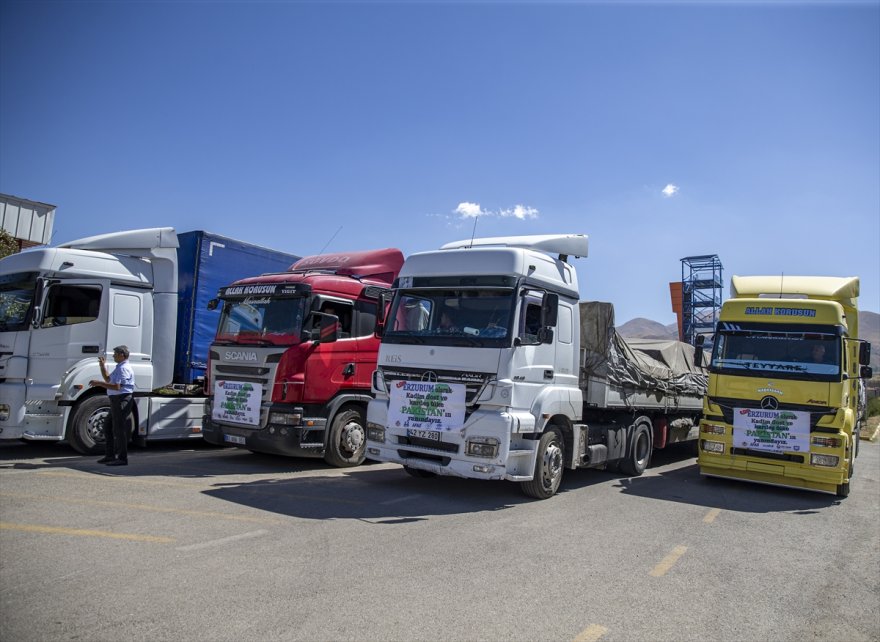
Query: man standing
[120,387]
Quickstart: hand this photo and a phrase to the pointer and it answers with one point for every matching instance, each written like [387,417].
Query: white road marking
[399,499]
[221,541]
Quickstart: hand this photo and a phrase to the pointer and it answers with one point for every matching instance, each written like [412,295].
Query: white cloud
[521,212]
[670,190]
[467,210]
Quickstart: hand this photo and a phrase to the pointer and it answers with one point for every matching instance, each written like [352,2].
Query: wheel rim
[353,437]
[96,425]
[552,468]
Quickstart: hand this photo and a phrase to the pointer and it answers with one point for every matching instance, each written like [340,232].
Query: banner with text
[773,430]
[237,402]
[426,405]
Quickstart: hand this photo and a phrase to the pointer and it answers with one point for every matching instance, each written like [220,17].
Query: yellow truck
[786,393]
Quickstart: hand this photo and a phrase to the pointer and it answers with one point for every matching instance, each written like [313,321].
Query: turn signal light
[826,442]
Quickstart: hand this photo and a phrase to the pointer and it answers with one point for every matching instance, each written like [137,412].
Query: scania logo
[240,355]
[769,403]
[430,377]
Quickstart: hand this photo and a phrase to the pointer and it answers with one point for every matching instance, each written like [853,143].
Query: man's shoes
[118,462]
[104,460]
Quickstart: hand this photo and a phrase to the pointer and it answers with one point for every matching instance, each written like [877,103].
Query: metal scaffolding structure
[701,291]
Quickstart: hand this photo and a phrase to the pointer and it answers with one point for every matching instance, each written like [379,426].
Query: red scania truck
[290,366]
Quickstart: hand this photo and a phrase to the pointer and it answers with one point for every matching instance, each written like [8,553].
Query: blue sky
[662,130]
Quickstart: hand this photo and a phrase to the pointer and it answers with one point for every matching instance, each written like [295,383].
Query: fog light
[285,418]
[482,447]
[712,446]
[712,429]
[824,460]
[4,411]
[373,451]
[826,442]
[484,469]
[375,432]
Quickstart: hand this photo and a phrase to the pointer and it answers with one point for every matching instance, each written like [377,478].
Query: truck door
[332,366]
[71,329]
[533,361]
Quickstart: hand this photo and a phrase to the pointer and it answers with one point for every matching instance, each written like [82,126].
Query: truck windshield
[16,300]
[261,320]
[472,317]
[792,354]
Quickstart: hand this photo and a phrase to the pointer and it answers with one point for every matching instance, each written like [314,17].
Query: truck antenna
[474,232]
[331,238]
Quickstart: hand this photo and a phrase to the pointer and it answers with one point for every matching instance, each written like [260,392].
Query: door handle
[348,371]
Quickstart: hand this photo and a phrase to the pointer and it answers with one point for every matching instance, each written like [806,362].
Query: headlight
[712,446]
[824,460]
[375,432]
[379,381]
[482,447]
[285,418]
[712,429]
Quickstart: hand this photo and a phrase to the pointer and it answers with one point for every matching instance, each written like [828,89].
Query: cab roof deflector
[563,244]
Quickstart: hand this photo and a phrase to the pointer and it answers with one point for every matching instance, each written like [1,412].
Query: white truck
[489,368]
[62,307]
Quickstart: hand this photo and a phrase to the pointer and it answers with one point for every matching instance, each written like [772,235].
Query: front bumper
[294,441]
[515,460]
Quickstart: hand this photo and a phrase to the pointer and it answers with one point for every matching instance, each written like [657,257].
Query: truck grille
[263,374]
[728,406]
[474,381]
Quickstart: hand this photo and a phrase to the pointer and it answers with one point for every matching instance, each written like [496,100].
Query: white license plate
[234,439]
[433,435]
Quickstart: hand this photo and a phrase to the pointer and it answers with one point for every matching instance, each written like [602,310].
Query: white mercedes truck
[490,368]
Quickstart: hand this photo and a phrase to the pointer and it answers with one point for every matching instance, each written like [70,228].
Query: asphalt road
[198,543]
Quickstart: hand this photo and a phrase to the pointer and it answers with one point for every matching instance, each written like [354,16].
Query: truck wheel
[419,473]
[548,466]
[843,489]
[640,454]
[86,431]
[348,439]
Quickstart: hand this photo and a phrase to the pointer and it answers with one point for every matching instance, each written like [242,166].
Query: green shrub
[874,406]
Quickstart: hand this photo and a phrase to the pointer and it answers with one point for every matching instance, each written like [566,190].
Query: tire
[639,455]
[347,442]
[86,430]
[549,466]
[843,489]
[419,473]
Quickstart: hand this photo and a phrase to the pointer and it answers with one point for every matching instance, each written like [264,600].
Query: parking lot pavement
[202,543]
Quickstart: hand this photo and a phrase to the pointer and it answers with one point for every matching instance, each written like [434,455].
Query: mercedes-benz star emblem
[430,377]
[769,403]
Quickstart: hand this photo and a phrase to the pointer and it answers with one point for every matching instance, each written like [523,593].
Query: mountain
[869,329]
[640,328]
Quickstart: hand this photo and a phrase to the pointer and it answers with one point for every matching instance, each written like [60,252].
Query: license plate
[432,435]
[234,439]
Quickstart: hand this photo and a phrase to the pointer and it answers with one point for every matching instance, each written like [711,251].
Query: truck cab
[291,363]
[784,404]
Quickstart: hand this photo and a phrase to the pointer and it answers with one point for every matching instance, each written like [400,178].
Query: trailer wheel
[419,473]
[549,465]
[639,455]
[90,419]
[348,439]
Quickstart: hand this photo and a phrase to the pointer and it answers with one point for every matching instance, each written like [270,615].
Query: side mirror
[866,372]
[864,353]
[328,327]
[549,309]
[381,312]
[213,303]
[37,317]
[545,334]
[700,340]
